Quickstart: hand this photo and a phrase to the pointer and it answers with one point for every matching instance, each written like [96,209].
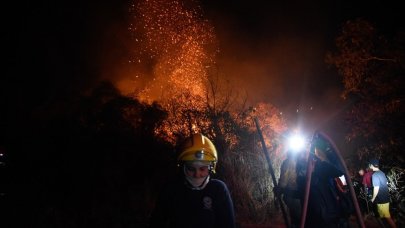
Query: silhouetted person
[324,209]
[291,184]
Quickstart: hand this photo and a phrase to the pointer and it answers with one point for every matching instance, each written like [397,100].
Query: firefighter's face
[320,154]
[196,169]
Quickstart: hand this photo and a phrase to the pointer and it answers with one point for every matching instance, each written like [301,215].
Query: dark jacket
[179,206]
[323,205]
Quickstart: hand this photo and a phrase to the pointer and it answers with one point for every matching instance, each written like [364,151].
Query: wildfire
[176,43]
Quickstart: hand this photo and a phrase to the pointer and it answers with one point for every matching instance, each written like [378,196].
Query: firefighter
[324,208]
[291,184]
[195,199]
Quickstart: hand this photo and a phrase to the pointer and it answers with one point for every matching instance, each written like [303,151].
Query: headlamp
[296,143]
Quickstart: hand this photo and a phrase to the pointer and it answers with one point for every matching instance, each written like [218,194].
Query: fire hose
[349,183]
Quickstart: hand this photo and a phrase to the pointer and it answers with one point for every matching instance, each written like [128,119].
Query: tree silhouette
[372,67]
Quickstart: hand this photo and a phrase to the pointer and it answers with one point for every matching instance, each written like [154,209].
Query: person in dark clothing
[291,184]
[381,195]
[324,207]
[195,199]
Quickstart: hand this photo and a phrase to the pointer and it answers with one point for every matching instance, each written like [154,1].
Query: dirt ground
[369,221]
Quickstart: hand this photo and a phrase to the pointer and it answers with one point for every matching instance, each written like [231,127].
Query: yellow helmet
[198,148]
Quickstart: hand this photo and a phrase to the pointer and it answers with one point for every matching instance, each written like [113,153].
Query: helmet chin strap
[197,183]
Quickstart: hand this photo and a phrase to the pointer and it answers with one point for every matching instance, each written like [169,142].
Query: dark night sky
[275,49]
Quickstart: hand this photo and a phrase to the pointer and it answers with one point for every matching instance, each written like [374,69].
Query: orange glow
[176,43]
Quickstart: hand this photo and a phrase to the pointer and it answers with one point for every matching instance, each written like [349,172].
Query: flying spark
[177,43]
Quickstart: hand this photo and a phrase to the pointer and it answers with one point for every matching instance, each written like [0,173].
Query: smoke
[173,49]
[276,53]
[275,59]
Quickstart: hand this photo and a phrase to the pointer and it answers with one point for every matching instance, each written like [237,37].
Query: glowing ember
[176,43]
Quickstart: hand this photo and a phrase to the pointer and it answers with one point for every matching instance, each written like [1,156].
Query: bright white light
[296,143]
[343,179]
